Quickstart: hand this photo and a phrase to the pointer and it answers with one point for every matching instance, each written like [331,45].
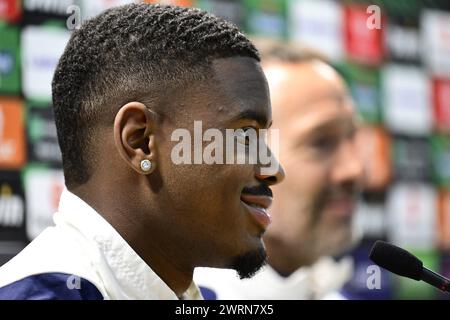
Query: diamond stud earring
[146,165]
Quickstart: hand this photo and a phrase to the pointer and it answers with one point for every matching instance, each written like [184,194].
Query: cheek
[305,178]
[211,195]
[298,194]
[209,185]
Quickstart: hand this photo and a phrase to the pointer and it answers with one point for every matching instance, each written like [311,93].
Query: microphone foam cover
[396,260]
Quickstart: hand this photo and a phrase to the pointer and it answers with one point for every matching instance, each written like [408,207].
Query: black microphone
[403,263]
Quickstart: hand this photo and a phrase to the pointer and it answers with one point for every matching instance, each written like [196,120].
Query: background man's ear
[134,127]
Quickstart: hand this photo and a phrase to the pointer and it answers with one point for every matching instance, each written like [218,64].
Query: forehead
[240,88]
[307,92]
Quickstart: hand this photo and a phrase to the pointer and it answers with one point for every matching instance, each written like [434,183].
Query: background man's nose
[348,165]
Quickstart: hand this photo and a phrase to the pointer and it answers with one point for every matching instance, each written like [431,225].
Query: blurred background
[398,71]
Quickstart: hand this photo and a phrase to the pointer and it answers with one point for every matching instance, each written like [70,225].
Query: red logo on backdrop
[374,147]
[12,133]
[363,40]
[10,10]
[441,102]
[444,220]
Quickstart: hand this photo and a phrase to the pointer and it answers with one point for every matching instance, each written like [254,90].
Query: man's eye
[324,144]
[246,134]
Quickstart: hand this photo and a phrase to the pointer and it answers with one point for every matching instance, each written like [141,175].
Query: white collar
[131,276]
[314,282]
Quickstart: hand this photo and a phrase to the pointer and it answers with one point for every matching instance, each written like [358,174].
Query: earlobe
[134,127]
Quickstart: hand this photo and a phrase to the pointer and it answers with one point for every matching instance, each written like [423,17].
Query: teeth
[257,206]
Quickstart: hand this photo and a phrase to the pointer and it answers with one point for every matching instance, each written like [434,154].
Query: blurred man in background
[313,209]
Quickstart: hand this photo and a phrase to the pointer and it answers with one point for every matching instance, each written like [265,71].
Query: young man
[313,208]
[133,223]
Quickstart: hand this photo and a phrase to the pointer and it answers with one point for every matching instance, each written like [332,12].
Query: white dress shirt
[83,245]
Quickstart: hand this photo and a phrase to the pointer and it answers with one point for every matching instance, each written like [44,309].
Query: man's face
[313,207]
[212,206]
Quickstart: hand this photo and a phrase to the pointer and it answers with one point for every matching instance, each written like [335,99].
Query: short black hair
[131,53]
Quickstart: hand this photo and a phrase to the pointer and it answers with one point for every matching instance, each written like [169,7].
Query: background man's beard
[249,263]
[319,203]
[331,242]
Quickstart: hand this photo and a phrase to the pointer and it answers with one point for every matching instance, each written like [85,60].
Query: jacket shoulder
[50,286]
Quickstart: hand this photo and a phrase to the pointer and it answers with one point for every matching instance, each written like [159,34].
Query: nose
[348,166]
[270,175]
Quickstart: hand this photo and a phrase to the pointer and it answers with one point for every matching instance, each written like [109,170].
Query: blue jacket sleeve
[50,286]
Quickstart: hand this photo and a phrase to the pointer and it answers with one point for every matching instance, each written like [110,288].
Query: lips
[342,206]
[257,206]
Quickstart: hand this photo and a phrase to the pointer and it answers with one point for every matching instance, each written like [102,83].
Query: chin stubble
[249,263]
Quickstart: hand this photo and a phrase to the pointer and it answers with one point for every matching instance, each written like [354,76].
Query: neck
[146,239]
[283,259]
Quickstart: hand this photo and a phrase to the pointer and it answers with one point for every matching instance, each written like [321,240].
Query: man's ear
[134,136]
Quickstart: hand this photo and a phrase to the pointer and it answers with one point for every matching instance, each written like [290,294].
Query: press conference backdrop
[398,73]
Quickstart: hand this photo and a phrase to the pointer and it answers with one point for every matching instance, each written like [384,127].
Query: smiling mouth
[258,208]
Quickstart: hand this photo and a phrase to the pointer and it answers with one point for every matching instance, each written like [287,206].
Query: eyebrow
[336,96]
[259,117]
[332,125]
